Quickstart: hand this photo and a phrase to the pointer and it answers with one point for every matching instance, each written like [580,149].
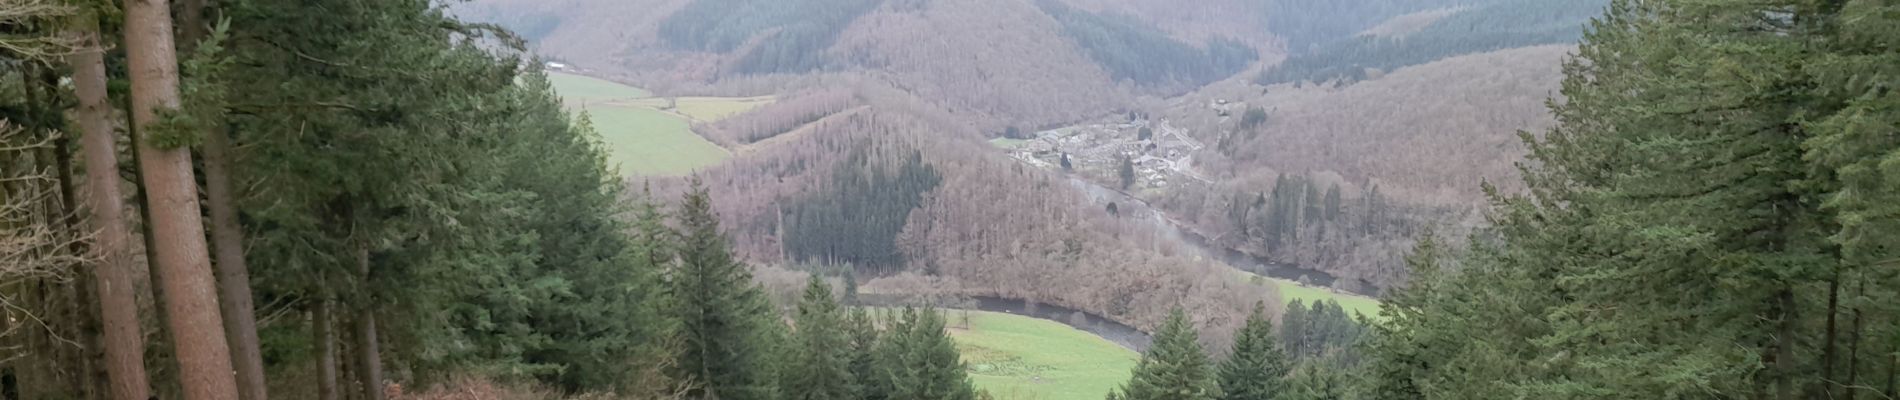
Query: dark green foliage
[1133,51]
[856,220]
[726,325]
[1254,370]
[590,308]
[1323,330]
[820,367]
[1314,381]
[1488,27]
[868,380]
[920,361]
[1174,368]
[1696,225]
[1145,133]
[799,30]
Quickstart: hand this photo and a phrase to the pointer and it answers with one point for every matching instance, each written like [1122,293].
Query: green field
[644,141]
[641,140]
[582,89]
[1017,357]
[1290,291]
[707,109]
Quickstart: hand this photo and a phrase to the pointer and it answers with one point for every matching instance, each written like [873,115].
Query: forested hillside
[860,189]
[1134,51]
[1410,145]
[1726,232]
[1476,28]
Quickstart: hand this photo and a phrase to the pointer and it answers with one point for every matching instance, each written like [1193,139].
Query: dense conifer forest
[381,200]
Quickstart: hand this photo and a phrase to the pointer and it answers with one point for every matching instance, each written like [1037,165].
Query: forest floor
[1019,357]
[646,135]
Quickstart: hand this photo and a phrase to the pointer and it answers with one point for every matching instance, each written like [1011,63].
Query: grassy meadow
[642,140]
[706,109]
[1018,357]
[1290,291]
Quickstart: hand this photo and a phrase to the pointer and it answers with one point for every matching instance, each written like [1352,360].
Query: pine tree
[820,368]
[1174,368]
[929,367]
[1293,328]
[1256,366]
[1313,381]
[723,317]
[867,377]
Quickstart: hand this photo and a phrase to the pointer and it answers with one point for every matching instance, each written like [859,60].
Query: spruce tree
[866,375]
[820,367]
[1256,366]
[1293,328]
[929,367]
[1175,367]
[727,343]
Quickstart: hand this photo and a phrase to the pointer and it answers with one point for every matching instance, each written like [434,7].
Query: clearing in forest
[641,140]
[1290,291]
[1018,357]
[706,109]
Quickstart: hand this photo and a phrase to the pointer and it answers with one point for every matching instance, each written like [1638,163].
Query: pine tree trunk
[227,238]
[82,325]
[326,350]
[124,342]
[370,372]
[162,381]
[204,358]
[234,276]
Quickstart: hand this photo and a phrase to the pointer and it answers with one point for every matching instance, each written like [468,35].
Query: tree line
[1136,52]
[1481,28]
[1306,24]
[796,32]
[338,199]
[1258,366]
[1720,226]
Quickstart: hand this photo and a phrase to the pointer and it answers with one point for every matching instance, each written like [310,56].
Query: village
[1161,154]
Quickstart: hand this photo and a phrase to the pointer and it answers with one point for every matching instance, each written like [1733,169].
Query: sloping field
[641,140]
[645,142]
[707,109]
[1018,357]
[577,88]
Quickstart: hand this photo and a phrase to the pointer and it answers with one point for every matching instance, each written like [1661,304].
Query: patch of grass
[577,89]
[645,141]
[707,109]
[1290,291]
[641,140]
[1018,357]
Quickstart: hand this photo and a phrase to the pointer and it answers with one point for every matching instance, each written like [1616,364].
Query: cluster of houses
[1164,154]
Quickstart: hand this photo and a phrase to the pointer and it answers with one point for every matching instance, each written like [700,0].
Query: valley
[949,200]
[646,135]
